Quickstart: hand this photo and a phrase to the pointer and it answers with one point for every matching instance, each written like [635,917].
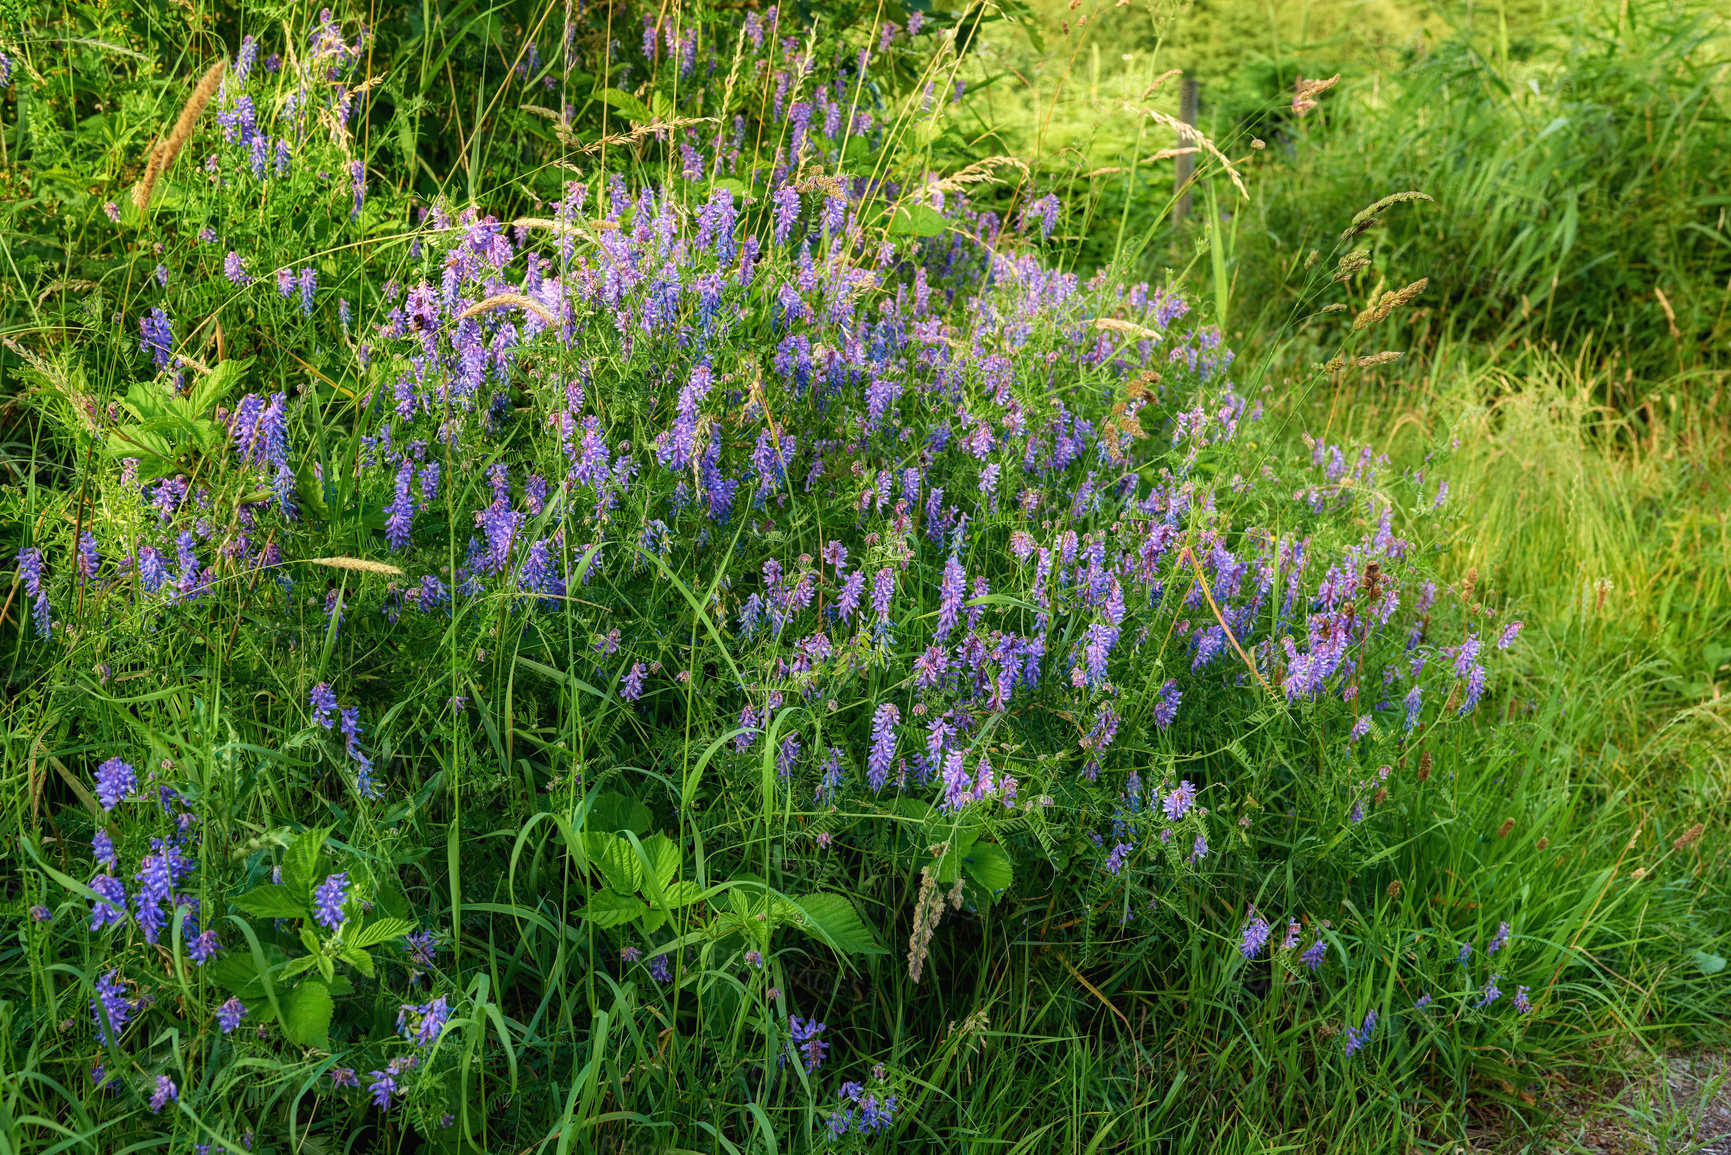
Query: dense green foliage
[611,577]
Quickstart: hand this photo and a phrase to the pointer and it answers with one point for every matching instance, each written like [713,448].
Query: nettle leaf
[610,909]
[380,930]
[990,867]
[612,811]
[357,958]
[683,892]
[307,1015]
[300,863]
[270,901]
[833,919]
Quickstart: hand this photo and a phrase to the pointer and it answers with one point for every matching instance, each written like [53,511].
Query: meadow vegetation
[736,578]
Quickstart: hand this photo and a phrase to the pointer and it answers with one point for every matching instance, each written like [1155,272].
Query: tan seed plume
[162,156]
[357,564]
[1381,307]
[1116,326]
[510,300]
[1689,836]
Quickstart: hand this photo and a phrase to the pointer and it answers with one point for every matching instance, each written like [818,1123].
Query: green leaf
[990,867]
[633,109]
[381,930]
[684,892]
[326,966]
[270,902]
[215,386]
[917,221]
[357,958]
[617,812]
[609,909]
[663,855]
[1710,964]
[616,861]
[307,1015]
[832,918]
[300,966]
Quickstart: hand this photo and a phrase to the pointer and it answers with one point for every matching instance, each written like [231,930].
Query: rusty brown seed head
[1503,830]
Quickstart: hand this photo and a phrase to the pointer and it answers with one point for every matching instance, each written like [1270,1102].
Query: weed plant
[690,628]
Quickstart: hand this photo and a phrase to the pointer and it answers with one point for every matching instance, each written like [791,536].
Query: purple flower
[1413,703]
[383,1086]
[1422,1002]
[630,954]
[632,687]
[358,177]
[1466,953]
[115,780]
[156,336]
[1509,634]
[204,947]
[88,558]
[329,899]
[1198,850]
[430,1019]
[400,514]
[110,1000]
[1501,937]
[229,1015]
[1115,860]
[1177,803]
[343,1077]
[1360,728]
[234,268]
[165,1090]
[103,845]
[324,704]
[110,910]
[658,969]
[1523,1004]
[1166,708]
[1356,1039]
[1312,957]
[786,206]
[1490,993]
[805,1034]
[951,590]
[309,285]
[1256,932]
[883,747]
[39,913]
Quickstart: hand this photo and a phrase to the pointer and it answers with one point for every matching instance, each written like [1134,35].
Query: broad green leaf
[990,867]
[663,855]
[682,892]
[831,918]
[270,902]
[608,909]
[300,862]
[223,379]
[612,811]
[300,966]
[357,958]
[307,1015]
[917,221]
[616,861]
[381,930]
[633,109]
[1710,964]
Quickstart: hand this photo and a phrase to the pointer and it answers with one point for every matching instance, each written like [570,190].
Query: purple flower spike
[329,899]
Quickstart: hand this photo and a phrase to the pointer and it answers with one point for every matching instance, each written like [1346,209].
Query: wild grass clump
[698,632]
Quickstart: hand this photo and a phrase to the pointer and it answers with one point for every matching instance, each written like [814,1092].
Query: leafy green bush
[523,679]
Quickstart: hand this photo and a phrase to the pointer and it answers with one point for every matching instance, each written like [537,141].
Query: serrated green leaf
[300,966]
[358,958]
[663,855]
[612,811]
[310,940]
[307,1015]
[616,861]
[833,919]
[381,930]
[326,966]
[270,901]
[682,892]
[629,106]
[610,909]
[989,866]
[300,862]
